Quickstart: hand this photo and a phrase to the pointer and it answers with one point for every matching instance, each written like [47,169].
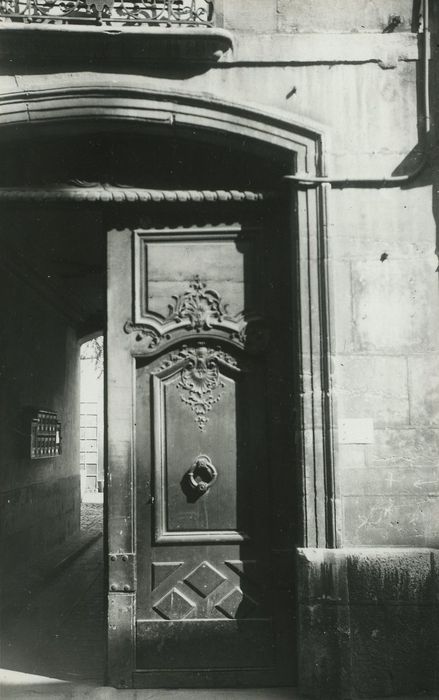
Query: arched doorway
[269,268]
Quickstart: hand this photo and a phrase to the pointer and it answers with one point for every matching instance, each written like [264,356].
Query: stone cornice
[211,46]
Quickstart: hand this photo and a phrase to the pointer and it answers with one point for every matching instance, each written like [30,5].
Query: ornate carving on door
[198,309]
[201,306]
[200,383]
[208,447]
[194,379]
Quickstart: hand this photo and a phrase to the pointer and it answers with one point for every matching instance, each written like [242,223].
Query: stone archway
[61,108]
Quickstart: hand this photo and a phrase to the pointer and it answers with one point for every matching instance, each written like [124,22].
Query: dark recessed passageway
[59,631]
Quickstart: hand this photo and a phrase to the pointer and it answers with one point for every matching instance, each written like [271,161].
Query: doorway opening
[91,420]
[91,446]
[82,275]
[54,601]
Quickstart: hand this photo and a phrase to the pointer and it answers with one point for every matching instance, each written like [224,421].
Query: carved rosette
[199,310]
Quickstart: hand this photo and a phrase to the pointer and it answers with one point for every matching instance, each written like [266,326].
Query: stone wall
[368,622]
[386,359]
[317,16]
[39,498]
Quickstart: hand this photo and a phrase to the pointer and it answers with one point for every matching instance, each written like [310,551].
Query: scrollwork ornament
[200,310]
[200,382]
[187,353]
[143,333]
[199,305]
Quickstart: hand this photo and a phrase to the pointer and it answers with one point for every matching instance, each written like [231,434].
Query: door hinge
[122,572]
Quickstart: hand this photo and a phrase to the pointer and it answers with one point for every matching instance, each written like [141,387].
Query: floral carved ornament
[201,309]
[200,381]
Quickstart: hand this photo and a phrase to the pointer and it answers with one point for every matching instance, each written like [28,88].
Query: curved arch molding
[31,103]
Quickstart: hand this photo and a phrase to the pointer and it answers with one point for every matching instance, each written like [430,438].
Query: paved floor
[54,648]
[91,516]
[24,687]
[92,497]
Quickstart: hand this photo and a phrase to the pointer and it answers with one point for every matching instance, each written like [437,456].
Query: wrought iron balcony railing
[154,13]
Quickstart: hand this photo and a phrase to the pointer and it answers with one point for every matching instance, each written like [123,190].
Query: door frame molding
[98,103]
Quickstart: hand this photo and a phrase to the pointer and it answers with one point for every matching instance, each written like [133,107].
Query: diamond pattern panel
[236,605]
[161,571]
[217,590]
[174,606]
[204,579]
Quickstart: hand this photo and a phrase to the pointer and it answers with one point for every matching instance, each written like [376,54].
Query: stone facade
[352,74]
[368,620]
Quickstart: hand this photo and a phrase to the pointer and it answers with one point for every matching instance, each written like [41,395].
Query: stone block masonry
[368,622]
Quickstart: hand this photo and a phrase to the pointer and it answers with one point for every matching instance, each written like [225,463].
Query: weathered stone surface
[383,639]
[324,651]
[391,309]
[253,16]
[393,649]
[341,278]
[378,221]
[374,145]
[372,387]
[391,520]
[383,49]
[401,481]
[322,576]
[383,132]
[351,457]
[415,448]
[383,576]
[424,390]
[342,15]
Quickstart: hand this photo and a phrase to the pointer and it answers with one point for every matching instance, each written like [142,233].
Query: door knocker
[202,474]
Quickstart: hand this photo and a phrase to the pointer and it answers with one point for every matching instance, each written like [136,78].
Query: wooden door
[207,320]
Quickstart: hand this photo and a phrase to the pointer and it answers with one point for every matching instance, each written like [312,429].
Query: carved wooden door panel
[213,534]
